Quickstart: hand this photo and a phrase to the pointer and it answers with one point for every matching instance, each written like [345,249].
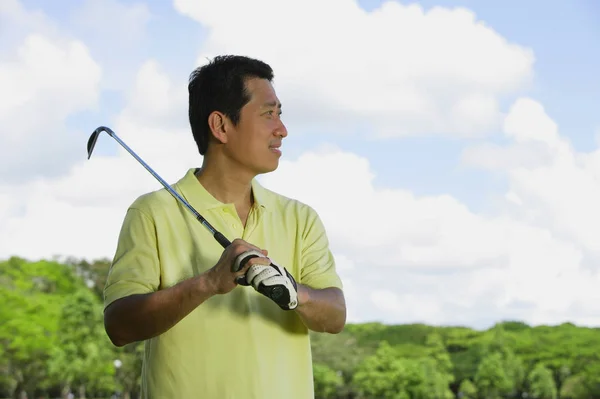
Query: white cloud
[562,192]
[156,102]
[79,214]
[406,306]
[403,230]
[46,79]
[48,70]
[398,70]
[410,250]
[527,121]
[534,261]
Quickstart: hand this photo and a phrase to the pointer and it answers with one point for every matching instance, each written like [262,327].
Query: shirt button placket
[232,221]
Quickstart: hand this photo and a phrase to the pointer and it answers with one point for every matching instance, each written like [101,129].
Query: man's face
[255,141]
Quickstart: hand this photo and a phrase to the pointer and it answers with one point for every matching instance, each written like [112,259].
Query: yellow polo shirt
[239,345]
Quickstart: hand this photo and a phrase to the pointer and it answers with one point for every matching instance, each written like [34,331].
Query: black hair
[220,86]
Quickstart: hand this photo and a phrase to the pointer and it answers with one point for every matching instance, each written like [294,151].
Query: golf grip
[275,292]
[221,239]
[241,261]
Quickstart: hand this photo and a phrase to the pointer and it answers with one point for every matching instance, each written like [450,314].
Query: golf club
[239,263]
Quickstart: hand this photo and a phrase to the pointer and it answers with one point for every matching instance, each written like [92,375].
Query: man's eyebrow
[271,104]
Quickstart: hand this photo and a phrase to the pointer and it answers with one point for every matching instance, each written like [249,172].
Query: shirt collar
[198,197]
[261,195]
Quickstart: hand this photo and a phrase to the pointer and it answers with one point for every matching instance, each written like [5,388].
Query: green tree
[431,382]
[83,357]
[31,294]
[438,367]
[128,377]
[491,379]
[502,342]
[52,337]
[574,388]
[327,382]
[93,274]
[382,375]
[436,350]
[541,383]
[590,378]
[467,390]
[342,353]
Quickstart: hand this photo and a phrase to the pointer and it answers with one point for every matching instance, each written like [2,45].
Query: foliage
[467,390]
[327,381]
[52,341]
[541,383]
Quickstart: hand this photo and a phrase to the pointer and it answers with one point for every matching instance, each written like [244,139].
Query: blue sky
[561,34]
[438,220]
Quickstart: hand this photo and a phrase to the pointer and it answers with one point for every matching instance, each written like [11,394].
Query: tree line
[52,342]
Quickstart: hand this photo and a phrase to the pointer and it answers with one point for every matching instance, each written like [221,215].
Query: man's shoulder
[304,214]
[285,203]
[153,202]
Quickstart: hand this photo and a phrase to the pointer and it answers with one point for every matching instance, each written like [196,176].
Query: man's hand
[274,282]
[221,276]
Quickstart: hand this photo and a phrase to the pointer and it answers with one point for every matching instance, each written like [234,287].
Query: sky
[451,147]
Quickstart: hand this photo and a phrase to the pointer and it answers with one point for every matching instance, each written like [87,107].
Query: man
[174,287]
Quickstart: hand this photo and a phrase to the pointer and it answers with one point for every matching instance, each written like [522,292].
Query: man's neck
[226,185]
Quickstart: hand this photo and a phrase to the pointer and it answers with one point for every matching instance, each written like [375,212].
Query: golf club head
[94,137]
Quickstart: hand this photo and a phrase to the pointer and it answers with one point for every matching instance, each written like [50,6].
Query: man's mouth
[276,148]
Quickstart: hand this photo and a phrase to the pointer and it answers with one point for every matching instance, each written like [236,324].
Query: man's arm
[138,310]
[142,316]
[322,310]
[321,302]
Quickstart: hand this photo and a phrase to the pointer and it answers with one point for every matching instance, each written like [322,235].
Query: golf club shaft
[221,239]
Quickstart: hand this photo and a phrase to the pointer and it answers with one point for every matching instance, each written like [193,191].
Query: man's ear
[218,124]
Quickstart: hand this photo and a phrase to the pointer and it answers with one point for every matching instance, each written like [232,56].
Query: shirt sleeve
[318,264]
[135,268]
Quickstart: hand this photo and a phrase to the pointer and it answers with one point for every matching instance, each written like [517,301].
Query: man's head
[233,110]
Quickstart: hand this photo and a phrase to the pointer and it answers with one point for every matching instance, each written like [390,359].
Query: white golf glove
[276,283]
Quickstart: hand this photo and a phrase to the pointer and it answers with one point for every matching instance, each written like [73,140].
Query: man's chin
[267,169]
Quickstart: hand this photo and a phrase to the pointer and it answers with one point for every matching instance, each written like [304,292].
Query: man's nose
[281,129]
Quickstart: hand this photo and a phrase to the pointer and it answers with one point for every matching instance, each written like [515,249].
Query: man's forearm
[140,317]
[322,310]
